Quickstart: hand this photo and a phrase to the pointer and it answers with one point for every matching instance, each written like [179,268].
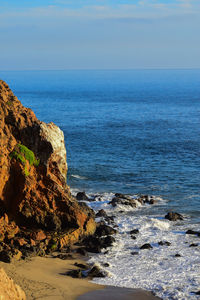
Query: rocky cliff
[34,196]
[8,289]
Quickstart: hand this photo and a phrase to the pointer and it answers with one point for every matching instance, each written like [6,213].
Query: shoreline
[45,278]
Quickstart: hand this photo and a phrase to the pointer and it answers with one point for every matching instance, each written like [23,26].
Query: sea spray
[170,268]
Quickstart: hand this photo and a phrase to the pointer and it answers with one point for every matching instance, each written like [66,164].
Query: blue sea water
[131,131]
[134,132]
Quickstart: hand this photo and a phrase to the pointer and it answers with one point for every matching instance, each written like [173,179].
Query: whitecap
[79,177]
[156,224]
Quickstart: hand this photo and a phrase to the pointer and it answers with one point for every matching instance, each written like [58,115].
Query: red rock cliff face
[33,168]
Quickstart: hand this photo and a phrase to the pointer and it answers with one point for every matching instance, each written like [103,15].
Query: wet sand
[116,293]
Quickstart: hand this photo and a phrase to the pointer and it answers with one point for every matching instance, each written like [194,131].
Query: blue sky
[99,34]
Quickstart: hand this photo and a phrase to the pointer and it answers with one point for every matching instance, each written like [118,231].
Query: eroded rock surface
[8,289]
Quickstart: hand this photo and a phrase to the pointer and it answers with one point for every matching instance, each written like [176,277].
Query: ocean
[132,132]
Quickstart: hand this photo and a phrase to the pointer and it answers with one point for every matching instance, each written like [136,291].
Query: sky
[99,34]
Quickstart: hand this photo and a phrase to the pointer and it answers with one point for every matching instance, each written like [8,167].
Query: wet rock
[146,246]
[194,245]
[97,272]
[65,256]
[123,201]
[82,266]
[197,293]
[177,255]
[134,231]
[152,201]
[95,244]
[103,230]
[128,200]
[97,197]
[134,253]
[106,264]
[75,273]
[111,218]
[110,221]
[123,196]
[81,196]
[101,213]
[173,216]
[145,199]
[81,251]
[164,243]
[107,241]
[193,232]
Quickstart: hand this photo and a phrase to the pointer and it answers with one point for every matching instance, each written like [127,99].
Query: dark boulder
[108,241]
[152,201]
[164,243]
[197,293]
[95,244]
[101,213]
[193,232]
[122,196]
[65,256]
[96,272]
[81,251]
[106,265]
[173,216]
[82,196]
[194,245]
[146,246]
[124,201]
[134,253]
[134,231]
[82,266]
[110,220]
[75,273]
[103,230]
[177,255]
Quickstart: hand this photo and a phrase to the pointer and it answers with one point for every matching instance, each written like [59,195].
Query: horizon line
[97,69]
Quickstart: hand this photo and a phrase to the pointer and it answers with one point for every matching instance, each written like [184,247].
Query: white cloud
[92,36]
[142,9]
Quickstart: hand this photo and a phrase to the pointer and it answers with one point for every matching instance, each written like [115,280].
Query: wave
[79,177]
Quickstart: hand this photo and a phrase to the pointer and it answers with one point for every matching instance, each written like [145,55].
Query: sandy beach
[45,278]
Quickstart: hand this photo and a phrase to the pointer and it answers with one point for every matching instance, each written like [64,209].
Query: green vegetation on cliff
[23,154]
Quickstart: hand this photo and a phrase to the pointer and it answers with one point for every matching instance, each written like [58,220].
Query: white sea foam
[157,269]
[78,176]
[155,224]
